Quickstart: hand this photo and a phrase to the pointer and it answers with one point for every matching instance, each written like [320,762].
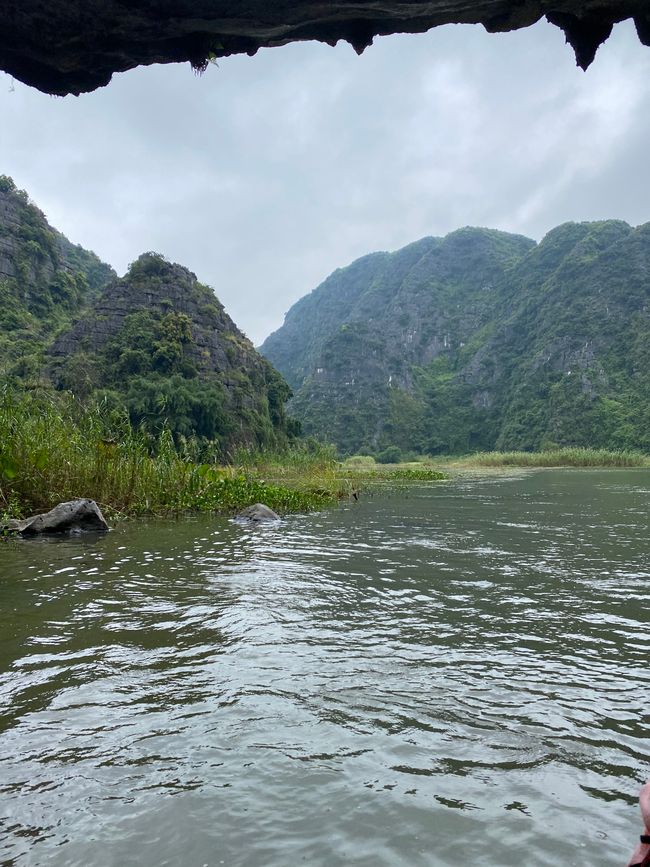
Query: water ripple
[462,668]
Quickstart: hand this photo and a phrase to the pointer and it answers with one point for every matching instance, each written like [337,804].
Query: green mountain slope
[161,343]
[478,340]
[45,281]
[157,342]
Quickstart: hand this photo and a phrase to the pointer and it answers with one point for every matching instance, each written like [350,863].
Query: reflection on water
[433,676]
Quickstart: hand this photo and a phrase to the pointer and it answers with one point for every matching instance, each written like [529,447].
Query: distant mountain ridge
[478,340]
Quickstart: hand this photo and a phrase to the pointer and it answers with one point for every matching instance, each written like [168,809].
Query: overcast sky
[267,173]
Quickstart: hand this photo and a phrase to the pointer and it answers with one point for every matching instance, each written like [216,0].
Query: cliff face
[160,290]
[44,280]
[69,46]
[567,362]
[161,343]
[32,251]
[478,340]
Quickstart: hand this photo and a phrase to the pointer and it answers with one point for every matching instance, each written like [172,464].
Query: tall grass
[306,466]
[306,456]
[361,462]
[313,464]
[52,450]
[561,457]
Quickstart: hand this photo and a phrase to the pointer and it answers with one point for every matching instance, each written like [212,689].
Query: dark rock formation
[257,514]
[162,341]
[72,46]
[72,517]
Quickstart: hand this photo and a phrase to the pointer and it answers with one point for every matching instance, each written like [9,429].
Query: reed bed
[308,466]
[315,465]
[53,450]
[561,457]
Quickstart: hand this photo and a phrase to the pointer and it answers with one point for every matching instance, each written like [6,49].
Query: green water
[442,675]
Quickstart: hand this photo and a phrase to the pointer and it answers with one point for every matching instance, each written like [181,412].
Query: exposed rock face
[258,514]
[479,340]
[216,343]
[71,517]
[156,343]
[44,280]
[33,252]
[163,341]
[72,46]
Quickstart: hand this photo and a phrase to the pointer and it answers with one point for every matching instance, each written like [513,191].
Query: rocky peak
[159,335]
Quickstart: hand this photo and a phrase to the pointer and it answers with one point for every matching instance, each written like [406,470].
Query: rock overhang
[74,46]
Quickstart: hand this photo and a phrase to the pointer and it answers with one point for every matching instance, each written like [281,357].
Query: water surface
[446,674]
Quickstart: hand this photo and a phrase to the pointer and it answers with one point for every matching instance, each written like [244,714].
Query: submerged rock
[74,516]
[258,513]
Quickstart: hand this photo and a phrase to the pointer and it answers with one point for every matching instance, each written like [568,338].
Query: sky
[267,173]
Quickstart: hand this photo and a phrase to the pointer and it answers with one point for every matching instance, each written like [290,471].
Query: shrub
[391,455]
[360,461]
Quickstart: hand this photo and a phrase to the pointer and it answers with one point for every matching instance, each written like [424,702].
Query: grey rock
[71,517]
[258,513]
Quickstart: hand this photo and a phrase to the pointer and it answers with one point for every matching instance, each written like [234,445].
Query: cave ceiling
[74,46]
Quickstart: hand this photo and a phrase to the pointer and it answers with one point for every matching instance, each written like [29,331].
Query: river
[440,674]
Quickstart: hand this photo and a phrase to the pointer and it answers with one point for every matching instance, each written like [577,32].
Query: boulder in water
[75,516]
[258,513]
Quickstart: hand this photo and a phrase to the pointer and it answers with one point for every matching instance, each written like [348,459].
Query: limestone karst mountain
[157,342]
[44,281]
[161,341]
[481,339]
[478,340]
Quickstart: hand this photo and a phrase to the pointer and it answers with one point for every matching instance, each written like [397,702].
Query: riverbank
[51,454]
[451,466]
[557,458]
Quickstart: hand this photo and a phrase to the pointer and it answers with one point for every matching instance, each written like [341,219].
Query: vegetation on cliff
[478,341]
[157,343]
[133,392]
[45,281]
